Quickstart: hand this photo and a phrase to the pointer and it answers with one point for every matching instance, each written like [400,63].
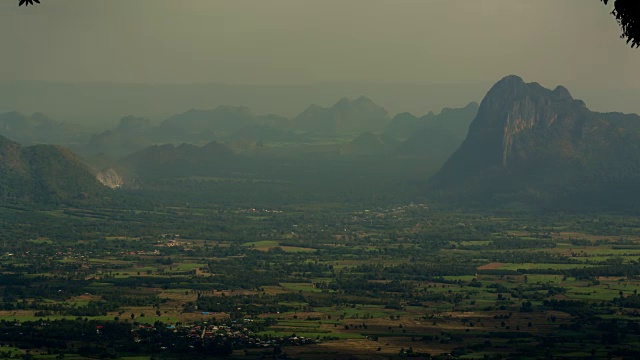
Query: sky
[570,42]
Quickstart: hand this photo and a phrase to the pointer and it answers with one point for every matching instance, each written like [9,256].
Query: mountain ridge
[346,115]
[529,138]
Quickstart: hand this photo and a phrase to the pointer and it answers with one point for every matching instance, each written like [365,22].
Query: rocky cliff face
[526,136]
[510,110]
[110,178]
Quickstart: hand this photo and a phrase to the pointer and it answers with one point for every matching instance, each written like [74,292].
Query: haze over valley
[353,179]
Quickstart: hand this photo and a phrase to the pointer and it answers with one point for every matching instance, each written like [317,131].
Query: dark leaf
[28,2]
[627,13]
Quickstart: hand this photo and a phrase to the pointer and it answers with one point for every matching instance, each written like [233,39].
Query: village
[237,333]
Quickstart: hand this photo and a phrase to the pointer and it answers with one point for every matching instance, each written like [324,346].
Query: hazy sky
[571,42]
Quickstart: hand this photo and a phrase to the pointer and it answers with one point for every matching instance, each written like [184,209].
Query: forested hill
[44,174]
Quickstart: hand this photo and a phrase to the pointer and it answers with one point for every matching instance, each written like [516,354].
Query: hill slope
[168,160]
[44,174]
[369,143]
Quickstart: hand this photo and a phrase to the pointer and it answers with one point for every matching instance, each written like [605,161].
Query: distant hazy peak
[470,106]
[133,122]
[40,117]
[313,107]
[222,108]
[360,101]
[230,109]
[363,99]
[13,115]
[346,115]
[405,116]
[346,103]
[343,101]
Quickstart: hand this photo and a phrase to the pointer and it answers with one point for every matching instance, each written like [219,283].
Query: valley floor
[317,282]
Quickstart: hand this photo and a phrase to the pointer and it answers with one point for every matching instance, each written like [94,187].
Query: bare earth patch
[495,265]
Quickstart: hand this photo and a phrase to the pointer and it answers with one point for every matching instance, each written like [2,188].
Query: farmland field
[374,286]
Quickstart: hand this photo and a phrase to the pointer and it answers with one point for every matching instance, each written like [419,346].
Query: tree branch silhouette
[627,13]
[28,2]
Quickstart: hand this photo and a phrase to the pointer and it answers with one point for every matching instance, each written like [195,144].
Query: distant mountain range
[432,137]
[435,136]
[38,129]
[455,121]
[132,134]
[206,125]
[99,105]
[345,116]
[227,123]
[529,143]
[44,174]
[233,142]
[523,144]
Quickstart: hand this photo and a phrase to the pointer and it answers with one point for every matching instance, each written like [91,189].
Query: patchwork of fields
[374,283]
